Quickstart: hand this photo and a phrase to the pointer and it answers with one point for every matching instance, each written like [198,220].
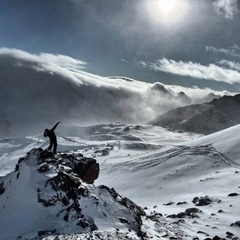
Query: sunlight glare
[167,12]
[167,5]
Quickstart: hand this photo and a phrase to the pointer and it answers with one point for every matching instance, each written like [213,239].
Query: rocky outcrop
[57,190]
[71,162]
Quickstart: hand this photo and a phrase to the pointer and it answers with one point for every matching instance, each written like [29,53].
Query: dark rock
[195,200]
[237,223]
[181,215]
[169,203]
[46,154]
[155,216]
[233,194]
[218,238]
[190,212]
[201,232]
[44,167]
[2,189]
[180,203]
[172,216]
[123,220]
[87,169]
[202,201]
[229,234]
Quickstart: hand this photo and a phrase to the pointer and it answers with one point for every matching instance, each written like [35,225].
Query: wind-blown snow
[39,90]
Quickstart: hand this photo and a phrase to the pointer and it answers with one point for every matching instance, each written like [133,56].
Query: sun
[167,12]
[167,6]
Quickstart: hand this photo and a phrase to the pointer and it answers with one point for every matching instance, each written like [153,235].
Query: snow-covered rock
[46,195]
[202,118]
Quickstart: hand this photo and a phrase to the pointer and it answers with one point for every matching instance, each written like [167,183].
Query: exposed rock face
[86,168]
[203,118]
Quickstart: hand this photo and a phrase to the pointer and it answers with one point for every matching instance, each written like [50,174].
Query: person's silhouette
[53,139]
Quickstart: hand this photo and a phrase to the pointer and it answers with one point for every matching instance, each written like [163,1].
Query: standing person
[53,139]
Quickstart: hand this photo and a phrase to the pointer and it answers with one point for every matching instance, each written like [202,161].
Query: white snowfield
[159,170]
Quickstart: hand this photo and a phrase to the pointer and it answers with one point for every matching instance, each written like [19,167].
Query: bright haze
[183,42]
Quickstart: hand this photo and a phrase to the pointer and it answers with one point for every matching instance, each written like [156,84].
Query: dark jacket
[53,139]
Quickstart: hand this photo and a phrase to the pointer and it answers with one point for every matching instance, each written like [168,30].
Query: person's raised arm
[55,126]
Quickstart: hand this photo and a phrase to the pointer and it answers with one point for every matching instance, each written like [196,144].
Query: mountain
[39,90]
[46,195]
[176,185]
[204,118]
[52,196]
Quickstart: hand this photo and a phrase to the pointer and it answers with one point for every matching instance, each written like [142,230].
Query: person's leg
[50,145]
[55,147]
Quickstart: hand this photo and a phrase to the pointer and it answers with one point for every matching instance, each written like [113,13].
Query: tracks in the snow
[160,157]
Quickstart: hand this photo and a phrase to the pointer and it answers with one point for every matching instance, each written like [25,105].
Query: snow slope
[192,180]
[226,141]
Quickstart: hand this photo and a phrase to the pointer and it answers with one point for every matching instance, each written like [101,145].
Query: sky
[182,42]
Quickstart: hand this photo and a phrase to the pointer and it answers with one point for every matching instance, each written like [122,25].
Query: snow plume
[40,90]
[226,7]
[195,70]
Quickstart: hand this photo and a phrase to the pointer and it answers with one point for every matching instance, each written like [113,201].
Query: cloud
[42,58]
[232,51]
[195,70]
[232,65]
[226,7]
[41,89]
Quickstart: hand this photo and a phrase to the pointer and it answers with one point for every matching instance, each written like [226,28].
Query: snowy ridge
[188,185]
[203,118]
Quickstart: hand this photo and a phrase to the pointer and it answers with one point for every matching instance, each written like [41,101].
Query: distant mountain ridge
[203,118]
[39,90]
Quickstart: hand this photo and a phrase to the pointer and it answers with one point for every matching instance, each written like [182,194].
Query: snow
[154,167]
[226,141]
